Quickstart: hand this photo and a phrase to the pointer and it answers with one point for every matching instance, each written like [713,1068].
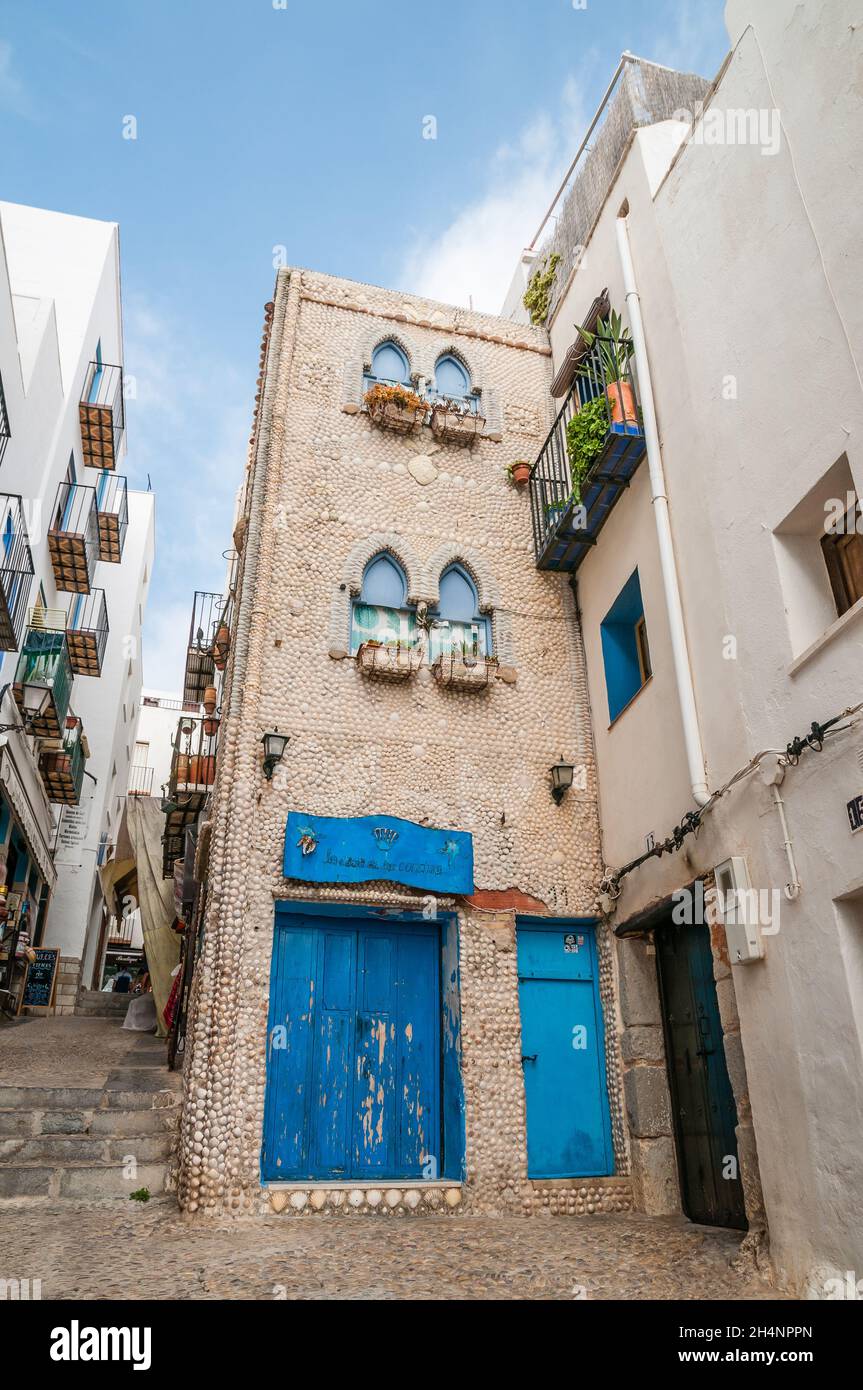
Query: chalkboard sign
[39,982]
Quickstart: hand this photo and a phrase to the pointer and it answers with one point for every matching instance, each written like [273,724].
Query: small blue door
[563,1052]
[353,1058]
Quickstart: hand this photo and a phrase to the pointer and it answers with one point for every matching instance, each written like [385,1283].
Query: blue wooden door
[563,1052]
[353,1064]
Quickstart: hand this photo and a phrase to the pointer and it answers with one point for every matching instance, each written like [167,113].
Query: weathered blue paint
[453,1088]
[354,1049]
[336,849]
[563,1050]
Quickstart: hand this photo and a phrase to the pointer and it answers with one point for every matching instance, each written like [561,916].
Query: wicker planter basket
[395,408]
[455,426]
[464,673]
[388,663]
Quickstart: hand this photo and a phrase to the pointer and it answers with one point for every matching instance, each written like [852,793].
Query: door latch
[529,1058]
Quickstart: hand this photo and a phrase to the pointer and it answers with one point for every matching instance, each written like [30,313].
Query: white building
[736,241]
[75,566]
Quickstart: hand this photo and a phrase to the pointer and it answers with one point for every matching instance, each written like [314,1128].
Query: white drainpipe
[673,605]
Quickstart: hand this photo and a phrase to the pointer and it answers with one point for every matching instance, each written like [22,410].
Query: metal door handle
[531,1058]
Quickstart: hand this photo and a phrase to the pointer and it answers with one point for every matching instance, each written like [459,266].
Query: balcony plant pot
[221,646]
[519,473]
[455,425]
[211,726]
[388,662]
[202,770]
[621,400]
[210,699]
[395,407]
[457,671]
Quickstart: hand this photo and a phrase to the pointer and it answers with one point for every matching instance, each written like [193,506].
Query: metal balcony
[140,781]
[112,506]
[73,538]
[5,432]
[16,572]
[567,513]
[43,683]
[200,657]
[61,764]
[85,625]
[193,772]
[102,416]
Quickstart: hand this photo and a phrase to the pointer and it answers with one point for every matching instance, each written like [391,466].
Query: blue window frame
[458,622]
[381,613]
[452,381]
[389,365]
[625,653]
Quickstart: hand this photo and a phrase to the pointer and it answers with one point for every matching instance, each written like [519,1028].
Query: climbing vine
[538,292]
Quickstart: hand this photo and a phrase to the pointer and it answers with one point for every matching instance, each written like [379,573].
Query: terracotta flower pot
[211,727]
[202,770]
[210,699]
[521,473]
[221,647]
[621,398]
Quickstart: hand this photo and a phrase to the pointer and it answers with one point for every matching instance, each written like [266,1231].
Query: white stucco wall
[748,268]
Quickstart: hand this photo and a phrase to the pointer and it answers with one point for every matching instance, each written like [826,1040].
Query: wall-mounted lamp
[274,747]
[561,779]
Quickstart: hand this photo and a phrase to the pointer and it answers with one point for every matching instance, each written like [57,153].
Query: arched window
[459,625]
[381,613]
[390,365]
[452,380]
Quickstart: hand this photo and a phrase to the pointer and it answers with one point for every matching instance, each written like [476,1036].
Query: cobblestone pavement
[65,1051]
[94,1251]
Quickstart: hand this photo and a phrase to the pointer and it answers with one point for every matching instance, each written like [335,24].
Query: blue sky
[302,127]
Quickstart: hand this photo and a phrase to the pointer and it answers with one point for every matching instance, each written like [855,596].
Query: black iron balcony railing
[112,506]
[61,764]
[591,453]
[193,772]
[102,415]
[5,432]
[16,572]
[73,538]
[85,624]
[201,657]
[140,781]
[43,682]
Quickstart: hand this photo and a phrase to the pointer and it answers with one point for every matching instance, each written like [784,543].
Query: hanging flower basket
[388,662]
[455,423]
[395,408]
[461,672]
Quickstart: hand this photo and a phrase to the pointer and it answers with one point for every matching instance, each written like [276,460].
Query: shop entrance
[354,1050]
[563,1051]
[705,1114]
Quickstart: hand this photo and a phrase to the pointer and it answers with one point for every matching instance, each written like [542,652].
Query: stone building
[355,538]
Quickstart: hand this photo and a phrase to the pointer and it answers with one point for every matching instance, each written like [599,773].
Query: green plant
[401,396]
[615,347]
[586,434]
[142,1195]
[538,292]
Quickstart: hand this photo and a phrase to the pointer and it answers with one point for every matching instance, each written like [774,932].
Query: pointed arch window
[458,623]
[381,613]
[389,366]
[452,382]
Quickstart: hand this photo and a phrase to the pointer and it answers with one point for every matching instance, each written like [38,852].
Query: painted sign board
[39,981]
[360,849]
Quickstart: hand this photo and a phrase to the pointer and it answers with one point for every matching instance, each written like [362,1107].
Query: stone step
[59,1149]
[91,1180]
[109,1123]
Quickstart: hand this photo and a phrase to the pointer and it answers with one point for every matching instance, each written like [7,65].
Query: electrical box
[738,906]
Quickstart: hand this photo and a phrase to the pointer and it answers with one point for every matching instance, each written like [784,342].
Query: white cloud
[13,93]
[475,256]
[188,430]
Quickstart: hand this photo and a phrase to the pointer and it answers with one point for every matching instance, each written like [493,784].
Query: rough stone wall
[325,487]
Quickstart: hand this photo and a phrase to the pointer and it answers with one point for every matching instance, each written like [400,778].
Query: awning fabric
[144,825]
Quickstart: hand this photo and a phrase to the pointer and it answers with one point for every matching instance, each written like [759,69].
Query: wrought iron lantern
[274,748]
[561,779]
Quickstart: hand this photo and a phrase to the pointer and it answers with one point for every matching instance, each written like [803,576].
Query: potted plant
[464,667]
[221,646]
[455,421]
[395,407]
[394,661]
[519,472]
[586,434]
[614,348]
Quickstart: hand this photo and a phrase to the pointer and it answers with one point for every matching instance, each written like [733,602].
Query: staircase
[92,1142]
[98,1003]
